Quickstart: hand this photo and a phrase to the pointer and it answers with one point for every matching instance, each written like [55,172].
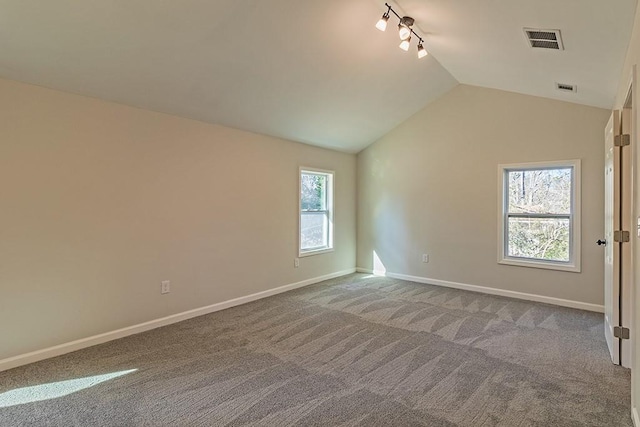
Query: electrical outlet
[165,287]
[425,258]
[296,262]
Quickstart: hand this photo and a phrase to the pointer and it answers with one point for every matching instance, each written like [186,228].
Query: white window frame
[329,211]
[573,265]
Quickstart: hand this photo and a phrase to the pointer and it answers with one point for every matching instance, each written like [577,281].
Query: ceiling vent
[564,87]
[544,39]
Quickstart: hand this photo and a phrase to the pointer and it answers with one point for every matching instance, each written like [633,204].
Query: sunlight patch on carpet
[53,390]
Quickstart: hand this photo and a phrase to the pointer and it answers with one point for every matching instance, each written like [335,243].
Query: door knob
[601,242]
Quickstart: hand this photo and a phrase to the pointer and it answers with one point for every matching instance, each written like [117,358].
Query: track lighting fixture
[404,30]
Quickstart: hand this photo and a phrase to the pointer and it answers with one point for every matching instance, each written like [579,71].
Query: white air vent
[544,39]
[564,87]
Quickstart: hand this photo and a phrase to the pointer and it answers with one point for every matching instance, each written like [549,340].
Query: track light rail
[401,19]
[404,30]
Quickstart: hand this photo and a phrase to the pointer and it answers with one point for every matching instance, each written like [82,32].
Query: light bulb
[422,52]
[404,44]
[382,23]
[404,32]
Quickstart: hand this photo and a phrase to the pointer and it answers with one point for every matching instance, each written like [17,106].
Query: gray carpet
[354,351]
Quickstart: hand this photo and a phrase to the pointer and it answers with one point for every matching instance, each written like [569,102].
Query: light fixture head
[403,32]
[382,23]
[404,27]
[404,44]
[422,52]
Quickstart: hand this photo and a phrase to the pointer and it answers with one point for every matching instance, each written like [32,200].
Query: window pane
[539,238]
[313,192]
[313,230]
[545,191]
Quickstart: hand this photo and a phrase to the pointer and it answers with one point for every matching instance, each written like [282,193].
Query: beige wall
[633,54]
[430,186]
[99,202]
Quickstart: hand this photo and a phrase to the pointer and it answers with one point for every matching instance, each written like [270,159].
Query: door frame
[621,307]
[631,102]
[627,211]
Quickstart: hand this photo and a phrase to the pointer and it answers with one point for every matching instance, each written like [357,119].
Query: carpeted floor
[354,351]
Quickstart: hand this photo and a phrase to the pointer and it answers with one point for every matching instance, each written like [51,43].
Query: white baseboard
[35,356]
[635,417]
[492,291]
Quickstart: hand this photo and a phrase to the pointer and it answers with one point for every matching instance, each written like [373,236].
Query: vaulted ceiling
[316,72]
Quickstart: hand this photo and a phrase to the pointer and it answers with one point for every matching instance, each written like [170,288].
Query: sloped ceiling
[316,72]
[483,43]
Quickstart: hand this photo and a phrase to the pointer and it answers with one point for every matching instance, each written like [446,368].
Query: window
[316,211]
[540,215]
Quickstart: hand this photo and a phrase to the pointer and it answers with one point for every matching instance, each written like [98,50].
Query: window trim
[330,210]
[574,263]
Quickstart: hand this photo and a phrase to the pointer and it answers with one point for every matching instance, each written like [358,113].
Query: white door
[611,248]
[617,258]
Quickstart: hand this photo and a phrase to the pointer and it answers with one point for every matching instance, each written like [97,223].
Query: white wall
[99,202]
[430,186]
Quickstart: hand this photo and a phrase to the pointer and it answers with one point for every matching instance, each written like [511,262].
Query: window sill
[314,252]
[570,267]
